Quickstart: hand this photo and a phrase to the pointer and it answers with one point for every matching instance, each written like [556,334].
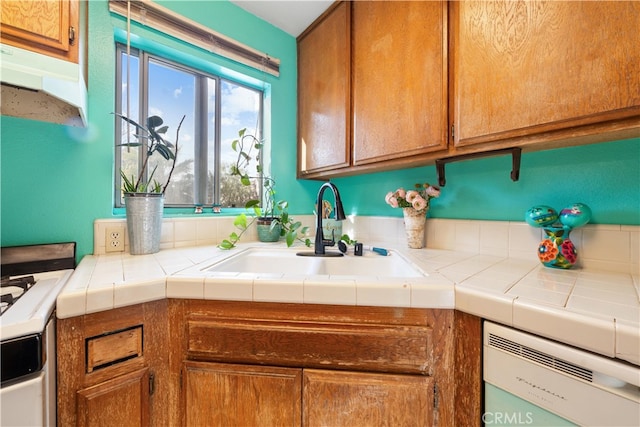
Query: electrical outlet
[114,240]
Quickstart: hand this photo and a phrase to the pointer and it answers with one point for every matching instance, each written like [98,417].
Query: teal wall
[605,176]
[56,180]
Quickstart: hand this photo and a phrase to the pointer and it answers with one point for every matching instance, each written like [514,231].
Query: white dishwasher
[538,382]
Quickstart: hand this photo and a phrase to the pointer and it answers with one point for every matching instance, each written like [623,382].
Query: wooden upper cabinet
[323,93]
[372,87]
[399,80]
[393,84]
[50,27]
[533,71]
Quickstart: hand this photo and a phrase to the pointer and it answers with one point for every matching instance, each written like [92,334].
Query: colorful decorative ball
[576,215]
[541,216]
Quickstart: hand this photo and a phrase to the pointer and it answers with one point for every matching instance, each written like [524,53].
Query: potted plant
[144,199]
[272,218]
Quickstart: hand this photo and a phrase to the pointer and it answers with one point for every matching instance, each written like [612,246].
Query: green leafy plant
[346,239]
[249,149]
[151,137]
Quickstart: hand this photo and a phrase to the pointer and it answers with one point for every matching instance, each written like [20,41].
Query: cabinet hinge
[72,36]
[435,396]
[152,384]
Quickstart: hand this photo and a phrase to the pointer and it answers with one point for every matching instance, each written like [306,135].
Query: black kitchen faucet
[321,242]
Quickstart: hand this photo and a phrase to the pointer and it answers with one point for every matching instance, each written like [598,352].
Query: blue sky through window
[172,93]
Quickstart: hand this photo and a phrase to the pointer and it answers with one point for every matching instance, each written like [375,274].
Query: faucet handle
[328,242]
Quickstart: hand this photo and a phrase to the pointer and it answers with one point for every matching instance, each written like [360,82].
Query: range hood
[39,87]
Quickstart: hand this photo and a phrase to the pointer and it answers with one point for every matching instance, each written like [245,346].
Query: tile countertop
[594,310]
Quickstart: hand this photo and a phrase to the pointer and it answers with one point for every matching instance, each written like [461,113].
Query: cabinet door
[217,394]
[524,68]
[122,401]
[323,94]
[399,80]
[334,398]
[48,27]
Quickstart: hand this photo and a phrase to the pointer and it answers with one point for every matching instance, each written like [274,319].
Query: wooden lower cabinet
[221,394]
[180,362]
[272,364]
[112,367]
[217,394]
[121,401]
[337,398]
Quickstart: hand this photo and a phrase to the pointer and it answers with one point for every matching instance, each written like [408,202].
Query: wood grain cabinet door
[335,398]
[399,80]
[217,394]
[48,27]
[324,93]
[121,401]
[526,69]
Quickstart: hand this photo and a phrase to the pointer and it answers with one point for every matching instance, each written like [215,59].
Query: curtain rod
[160,18]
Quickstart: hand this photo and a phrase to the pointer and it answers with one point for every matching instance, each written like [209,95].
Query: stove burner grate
[12,289]
[23,282]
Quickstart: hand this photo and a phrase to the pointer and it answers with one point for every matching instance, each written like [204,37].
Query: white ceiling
[291,16]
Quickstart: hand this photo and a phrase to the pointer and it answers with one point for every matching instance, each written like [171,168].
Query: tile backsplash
[600,246]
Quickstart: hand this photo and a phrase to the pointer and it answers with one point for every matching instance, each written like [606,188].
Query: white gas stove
[32,278]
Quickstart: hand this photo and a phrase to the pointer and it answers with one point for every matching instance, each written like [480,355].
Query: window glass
[240,109]
[215,109]
[212,191]
[129,157]
[171,96]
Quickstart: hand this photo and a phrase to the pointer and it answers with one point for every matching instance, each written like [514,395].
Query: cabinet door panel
[529,67]
[122,401]
[323,94]
[41,26]
[399,79]
[334,398]
[328,345]
[241,395]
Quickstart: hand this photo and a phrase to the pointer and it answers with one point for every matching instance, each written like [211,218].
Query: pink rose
[433,191]
[411,195]
[419,203]
[388,197]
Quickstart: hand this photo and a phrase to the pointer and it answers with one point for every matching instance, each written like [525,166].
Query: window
[216,108]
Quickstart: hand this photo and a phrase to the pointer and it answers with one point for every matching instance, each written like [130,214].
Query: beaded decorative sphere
[541,216]
[576,215]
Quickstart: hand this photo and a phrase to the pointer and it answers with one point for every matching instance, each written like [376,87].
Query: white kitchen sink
[285,261]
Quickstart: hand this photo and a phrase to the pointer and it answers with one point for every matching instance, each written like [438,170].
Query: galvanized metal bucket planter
[144,222]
